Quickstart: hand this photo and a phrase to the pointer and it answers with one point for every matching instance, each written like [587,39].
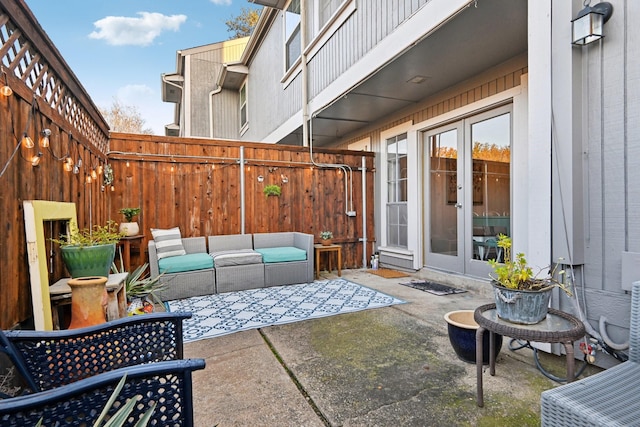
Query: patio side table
[328,249]
[557,327]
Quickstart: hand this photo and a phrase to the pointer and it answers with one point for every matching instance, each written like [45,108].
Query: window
[243,105]
[327,8]
[292,33]
[397,220]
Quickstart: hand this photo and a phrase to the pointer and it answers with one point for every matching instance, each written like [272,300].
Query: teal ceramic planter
[521,306]
[86,261]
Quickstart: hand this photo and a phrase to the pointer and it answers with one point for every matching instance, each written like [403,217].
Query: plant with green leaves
[272,190]
[139,283]
[517,274]
[129,213]
[98,235]
[120,417]
[326,235]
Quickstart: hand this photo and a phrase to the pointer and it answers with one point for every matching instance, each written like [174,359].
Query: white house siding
[372,22]
[270,103]
[610,154]
[205,67]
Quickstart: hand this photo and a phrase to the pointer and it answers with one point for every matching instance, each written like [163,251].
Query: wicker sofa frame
[238,277]
[71,374]
[184,284]
[608,398]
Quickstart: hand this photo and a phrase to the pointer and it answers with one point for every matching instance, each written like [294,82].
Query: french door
[467,199]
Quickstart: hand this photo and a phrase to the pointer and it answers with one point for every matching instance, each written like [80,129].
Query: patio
[385,366]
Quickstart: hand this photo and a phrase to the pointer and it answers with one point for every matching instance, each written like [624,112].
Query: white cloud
[141,31]
[222,2]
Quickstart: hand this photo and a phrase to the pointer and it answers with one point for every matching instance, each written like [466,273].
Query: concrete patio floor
[379,367]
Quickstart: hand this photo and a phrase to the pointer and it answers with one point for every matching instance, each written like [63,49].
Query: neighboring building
[486,119]
[196,91]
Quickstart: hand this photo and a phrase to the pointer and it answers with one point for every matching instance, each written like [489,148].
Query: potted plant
[129,228]
[272,190]
[90,251]
[326,237]
[522,297]
[141,289]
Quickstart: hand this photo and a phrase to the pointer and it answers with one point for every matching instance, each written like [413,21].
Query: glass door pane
[491,197]
[443,192]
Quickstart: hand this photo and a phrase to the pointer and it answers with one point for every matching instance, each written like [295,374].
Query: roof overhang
[275,4]
[471,43]
[232,76]
[172,130]
[172,87]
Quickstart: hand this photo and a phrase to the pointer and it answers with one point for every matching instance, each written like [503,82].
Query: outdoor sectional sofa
[233,262]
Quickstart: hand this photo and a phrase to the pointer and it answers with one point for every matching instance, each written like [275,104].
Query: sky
[119,48]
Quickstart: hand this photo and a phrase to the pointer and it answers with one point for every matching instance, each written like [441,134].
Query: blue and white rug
[215,315]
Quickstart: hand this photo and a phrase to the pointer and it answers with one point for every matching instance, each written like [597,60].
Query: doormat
[432,287]
[387,273]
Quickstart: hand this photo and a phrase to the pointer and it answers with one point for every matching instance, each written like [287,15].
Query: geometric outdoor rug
[221,314]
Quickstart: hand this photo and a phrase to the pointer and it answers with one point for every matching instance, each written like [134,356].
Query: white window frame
[243,106]
[381,227]
[289,36]
[394,199]
[320,35]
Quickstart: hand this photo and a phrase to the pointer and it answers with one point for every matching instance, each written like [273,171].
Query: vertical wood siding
[44,87]
[195,184]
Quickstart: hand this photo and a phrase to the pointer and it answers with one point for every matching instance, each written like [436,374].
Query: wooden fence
[197,185]
[45,94]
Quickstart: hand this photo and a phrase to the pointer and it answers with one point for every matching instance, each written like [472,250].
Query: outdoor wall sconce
[260,178]
[44,139]
[587,26]
[284,178]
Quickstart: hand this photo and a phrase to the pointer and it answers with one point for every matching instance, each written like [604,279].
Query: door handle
[458,205]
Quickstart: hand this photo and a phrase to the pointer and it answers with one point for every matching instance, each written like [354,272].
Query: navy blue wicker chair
[72,373]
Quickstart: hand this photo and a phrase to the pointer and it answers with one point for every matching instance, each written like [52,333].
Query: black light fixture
[587,26]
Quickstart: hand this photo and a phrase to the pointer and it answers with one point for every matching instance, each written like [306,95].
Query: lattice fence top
[20,57]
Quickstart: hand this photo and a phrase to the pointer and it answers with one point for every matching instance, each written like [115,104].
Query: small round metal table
[557,327]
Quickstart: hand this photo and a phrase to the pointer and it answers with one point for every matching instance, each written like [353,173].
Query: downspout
[364,210]
[213,92]
[241,189]
[305,74]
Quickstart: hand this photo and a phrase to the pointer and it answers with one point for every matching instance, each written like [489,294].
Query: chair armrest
[166,383]
[56,358]
[154,269]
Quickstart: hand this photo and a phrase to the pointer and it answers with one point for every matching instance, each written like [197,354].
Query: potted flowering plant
[522,296]
[326,237]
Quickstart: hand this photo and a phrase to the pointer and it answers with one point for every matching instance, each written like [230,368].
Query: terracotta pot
[327,242]
[88,301]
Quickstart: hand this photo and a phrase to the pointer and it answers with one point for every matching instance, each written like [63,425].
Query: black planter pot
[462,336]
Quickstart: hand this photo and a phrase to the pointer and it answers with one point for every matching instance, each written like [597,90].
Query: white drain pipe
[364,212]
